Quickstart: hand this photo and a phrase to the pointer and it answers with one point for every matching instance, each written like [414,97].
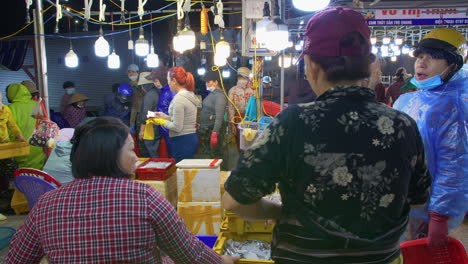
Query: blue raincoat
[165,98]
[442,117]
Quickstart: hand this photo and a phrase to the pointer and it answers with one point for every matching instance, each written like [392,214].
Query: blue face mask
[429,83]
[71,91]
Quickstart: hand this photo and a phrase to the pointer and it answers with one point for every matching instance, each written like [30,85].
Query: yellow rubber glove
[160,121]
[148,134]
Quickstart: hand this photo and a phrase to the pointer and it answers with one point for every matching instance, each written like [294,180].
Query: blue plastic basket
[208,240]
[6,234]
[264,122]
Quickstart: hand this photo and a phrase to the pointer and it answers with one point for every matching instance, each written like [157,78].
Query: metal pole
[282,82]
[41,59]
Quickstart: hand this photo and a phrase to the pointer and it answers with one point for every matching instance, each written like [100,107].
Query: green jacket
[21,107]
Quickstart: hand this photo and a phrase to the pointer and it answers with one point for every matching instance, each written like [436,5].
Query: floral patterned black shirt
[345,162]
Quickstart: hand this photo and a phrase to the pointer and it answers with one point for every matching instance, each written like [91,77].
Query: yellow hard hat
[447,39]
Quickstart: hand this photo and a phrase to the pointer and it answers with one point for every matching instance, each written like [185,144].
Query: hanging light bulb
[141,45]
[384,50]
[373,40]
[234,59]
[410,53]
[261,25]
[375,50]
[71,59]
[152,60]
[201,71]
[226,73]
[277,36]
[219,60]
[396,52]
[287,61]
[398,41]
[268,58]
[405,49]
[130,44]
[176,43]
[393,58]
[386,40]
[299,45]
[222,48]
[186,39]
[101,46]
[310,5]
[113,61]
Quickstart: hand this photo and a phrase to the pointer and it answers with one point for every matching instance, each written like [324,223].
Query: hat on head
[31,86]
[244,71]
[133,67]
[266,79]
[143,78]
[77,97]
[159,73]
[211,76]
[443,43]
[326,29]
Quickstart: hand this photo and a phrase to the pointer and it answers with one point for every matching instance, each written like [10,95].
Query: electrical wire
[25,26]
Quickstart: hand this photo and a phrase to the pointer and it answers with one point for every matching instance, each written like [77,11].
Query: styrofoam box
[204,175]
[201,218]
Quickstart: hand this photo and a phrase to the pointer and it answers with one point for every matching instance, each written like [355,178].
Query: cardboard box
[198,180]
[201,218]
[167,188]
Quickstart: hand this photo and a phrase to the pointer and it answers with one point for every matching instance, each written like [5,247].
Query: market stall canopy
[12,54]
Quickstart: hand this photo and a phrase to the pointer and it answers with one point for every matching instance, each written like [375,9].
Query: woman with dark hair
[348,167]
[395,89]
[103,216]
[182,117]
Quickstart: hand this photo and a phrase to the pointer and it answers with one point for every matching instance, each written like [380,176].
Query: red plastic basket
[155,174]
[417,252]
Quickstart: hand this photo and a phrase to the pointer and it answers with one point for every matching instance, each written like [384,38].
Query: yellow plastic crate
[235,224]
[13,149]
[224,236]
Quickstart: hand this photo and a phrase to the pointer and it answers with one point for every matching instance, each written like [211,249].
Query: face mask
[133,78]
[210,88]
[429,83]
[242,82]
[70,90]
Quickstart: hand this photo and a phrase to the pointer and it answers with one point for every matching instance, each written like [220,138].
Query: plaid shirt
[106,220]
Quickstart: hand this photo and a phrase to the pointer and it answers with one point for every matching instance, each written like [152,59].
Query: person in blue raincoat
[440,108]
[119,106]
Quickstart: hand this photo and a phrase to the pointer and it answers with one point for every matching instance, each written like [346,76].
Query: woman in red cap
[348,167]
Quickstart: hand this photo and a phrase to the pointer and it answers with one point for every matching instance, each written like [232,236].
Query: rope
[28,5]
[180,11]
[25,26]
[186,7]
[141,10]
[102,11]
[218,19]
[59,11]
[87,8]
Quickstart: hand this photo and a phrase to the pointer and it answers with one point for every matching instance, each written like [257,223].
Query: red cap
[325,30]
